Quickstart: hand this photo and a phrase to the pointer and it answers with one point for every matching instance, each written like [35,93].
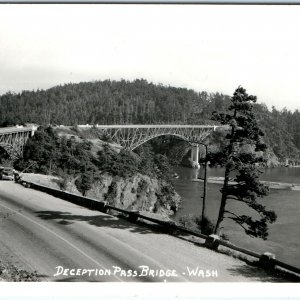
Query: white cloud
[212,48]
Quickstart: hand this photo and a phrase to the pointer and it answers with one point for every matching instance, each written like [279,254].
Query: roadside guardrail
[266,260]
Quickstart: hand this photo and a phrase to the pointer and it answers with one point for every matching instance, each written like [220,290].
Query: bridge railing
[8,130]
[265,260]
[156,126]
[115,126]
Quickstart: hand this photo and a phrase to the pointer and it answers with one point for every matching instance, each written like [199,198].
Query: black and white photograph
[149,143]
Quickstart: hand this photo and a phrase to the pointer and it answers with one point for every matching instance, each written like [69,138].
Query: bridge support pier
[34,129]
[292,162]
[195,156]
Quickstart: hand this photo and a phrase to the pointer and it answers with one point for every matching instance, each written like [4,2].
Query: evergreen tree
[84,182]
[243,156]
[41,148]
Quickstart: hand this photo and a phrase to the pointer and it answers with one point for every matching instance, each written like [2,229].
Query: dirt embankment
[9,272]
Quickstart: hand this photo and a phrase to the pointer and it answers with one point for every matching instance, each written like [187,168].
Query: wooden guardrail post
[26,184]
[105,208]
[267,260]
[133,216]
[212,241]
[101,206]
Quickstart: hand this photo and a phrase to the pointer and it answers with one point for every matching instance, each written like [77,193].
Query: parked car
[6,173]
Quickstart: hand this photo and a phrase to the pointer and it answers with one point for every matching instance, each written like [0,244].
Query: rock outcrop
[139,192]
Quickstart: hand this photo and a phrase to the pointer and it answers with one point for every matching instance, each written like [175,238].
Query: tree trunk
[204,190]
[223,201]
[226,181]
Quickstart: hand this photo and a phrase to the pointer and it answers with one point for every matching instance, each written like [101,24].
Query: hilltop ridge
[141,102]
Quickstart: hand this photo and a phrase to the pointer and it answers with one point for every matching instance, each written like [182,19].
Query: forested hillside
[140,102]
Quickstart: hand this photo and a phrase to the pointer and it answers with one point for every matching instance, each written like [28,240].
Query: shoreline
[271,184]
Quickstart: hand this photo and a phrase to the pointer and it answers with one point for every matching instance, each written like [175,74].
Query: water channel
[284,234]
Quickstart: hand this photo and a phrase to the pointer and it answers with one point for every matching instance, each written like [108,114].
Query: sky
[213,48]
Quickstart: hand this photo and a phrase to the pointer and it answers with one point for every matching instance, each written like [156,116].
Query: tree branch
[233,198]
[239,224]
[239,184]
[240,200]
[229,212]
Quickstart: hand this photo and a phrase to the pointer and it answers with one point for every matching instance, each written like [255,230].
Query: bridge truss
[12,140]
[127,136]
[132,136]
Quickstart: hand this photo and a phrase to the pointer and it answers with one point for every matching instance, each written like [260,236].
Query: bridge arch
[194,148]
[132,136]
[156,136]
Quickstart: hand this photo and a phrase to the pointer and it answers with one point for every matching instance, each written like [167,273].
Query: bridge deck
[128,136]
[150,126]
[7,130]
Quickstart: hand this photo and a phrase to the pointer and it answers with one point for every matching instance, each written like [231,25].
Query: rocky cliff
[139,192]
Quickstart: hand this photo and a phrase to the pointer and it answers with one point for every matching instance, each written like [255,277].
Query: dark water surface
[284,234]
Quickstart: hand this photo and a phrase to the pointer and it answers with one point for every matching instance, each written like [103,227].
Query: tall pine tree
[242,158]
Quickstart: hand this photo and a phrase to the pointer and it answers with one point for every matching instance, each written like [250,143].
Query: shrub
[206,226]
[112,193]
[121,164]
[63,181]
[188,221]
[142,186]
[84,182]
[193,222]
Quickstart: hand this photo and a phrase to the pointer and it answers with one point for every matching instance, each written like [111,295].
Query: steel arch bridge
[13,139]
[132,136]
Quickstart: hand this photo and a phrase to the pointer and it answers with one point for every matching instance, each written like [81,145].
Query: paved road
[43,232]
